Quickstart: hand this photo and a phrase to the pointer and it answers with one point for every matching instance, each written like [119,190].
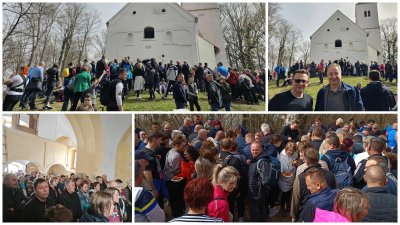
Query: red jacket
[187,169]
[219,207]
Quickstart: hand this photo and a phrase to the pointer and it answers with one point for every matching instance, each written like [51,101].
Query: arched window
[369,13]
[148,32]
[169,37]
[338,43]
[365,13]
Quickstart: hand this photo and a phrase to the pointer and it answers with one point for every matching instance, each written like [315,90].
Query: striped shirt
[201,218]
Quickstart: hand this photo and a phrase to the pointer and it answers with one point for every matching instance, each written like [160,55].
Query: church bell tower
[367,18]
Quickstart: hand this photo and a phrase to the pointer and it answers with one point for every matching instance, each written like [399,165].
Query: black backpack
[16,88]
[105,92]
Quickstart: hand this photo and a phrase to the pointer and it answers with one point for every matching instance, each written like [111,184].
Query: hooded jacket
[255,189]
[327,216]
[351,93]
[219,207]
[377,97]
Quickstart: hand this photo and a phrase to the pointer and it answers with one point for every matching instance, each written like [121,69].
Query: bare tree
[304,50]
[389,38]
[91,21]
[15,14]
[100,43]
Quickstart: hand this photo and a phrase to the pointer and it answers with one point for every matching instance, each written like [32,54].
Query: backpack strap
[24,79]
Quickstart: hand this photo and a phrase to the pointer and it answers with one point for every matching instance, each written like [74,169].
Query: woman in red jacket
[187,164]
[224,181]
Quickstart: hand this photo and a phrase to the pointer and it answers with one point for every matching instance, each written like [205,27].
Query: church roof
[334,15]
[175,6]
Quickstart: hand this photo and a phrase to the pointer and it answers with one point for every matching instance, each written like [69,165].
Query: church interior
[61,144]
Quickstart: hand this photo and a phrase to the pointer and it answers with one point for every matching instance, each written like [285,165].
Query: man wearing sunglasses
[337,95]
[295,99]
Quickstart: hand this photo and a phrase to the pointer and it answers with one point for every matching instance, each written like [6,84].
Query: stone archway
[123,165]
[57,169]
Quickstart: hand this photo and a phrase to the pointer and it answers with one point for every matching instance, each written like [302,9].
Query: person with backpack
[15,88]
[339,162]
[36,79]
[100,66]
[114,91]
[258,181]
[52,80]
[225,180]
[129,81]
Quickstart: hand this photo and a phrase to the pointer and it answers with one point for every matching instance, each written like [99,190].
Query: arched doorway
[21,166]
[57,169]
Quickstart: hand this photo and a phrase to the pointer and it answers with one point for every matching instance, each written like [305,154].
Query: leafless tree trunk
[389,38]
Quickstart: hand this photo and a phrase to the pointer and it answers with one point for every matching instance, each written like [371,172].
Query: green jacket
[82,82]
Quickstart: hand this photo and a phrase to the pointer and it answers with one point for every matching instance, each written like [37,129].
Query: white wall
[126,33]
[51,126]
[206,52]
[114,127]
[354,41]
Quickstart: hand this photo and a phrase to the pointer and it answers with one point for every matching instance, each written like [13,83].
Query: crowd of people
[37,197]
[336,95]
[114,80]
[199,172]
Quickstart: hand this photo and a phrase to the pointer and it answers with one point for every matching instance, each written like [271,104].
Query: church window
[369,13]
[163,10]
[168,36]
[130,39]
[338,43]
[148,32]
[365,13]
[328,30]
[347,28]
[134,12]
[25,122]
[337,19]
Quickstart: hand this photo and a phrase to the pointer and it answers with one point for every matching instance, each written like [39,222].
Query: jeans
[227,106]
[68,96]
[170,84]
[194,102]
[50,88]
[180,105]
[31,95]
[258,210]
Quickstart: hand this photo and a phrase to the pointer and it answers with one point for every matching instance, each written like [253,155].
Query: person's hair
[249,137]
[265,128]
[376,145]
[55,65]
[208,150]
[301,71]
[349,203]
[83,182]
[230,134]
[380,161]
[257,143]
[303,145]
[357,138]
[317,119]
[224,174]
[295,122]
[392,158]
[179,139]
[122,71]
[375,174]
[198,193]
[154,136]
[334,65]
[317,176]
[52,179]
[371,121]
[58,213]
[333,140]
[39,181]
[317,132]
[276,138]
[347,144]
[69,181]
[194,154]
[226,143]
[305,138]
[203,168]
[311,155]
[374,75]
[111,190]
[85,68]
[383,138]
[101,201]
[290,145]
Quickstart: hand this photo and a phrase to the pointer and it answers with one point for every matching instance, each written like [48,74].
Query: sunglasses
[298,81]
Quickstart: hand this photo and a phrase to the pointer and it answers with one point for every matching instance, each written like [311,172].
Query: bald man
[383,206]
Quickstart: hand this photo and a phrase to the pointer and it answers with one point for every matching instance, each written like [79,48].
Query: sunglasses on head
[298,81]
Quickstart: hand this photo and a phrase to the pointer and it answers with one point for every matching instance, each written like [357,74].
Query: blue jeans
[49,91]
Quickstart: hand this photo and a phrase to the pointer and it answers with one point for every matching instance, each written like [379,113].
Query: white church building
[189,32]
[340,37]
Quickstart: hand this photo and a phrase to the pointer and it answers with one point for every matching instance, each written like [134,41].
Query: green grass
[314,85]
[158,104]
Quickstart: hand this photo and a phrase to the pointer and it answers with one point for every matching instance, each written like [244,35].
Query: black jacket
[52,75]
[214,93]
[377,97]
[90,216]
[383,206]
[35,210]
[13,198]
[179,92]
[322,200]
[255,189]
[71,202]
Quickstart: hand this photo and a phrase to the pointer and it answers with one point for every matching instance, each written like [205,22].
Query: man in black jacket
[214,93]
[376,96]
[35,209]
[179,92]
[70,200]
[383,206]
[13,198]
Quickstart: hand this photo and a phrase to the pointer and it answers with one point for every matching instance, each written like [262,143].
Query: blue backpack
[269,173]
[342,171]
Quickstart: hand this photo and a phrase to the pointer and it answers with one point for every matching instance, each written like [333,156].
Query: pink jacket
[328,216]
[219,207]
